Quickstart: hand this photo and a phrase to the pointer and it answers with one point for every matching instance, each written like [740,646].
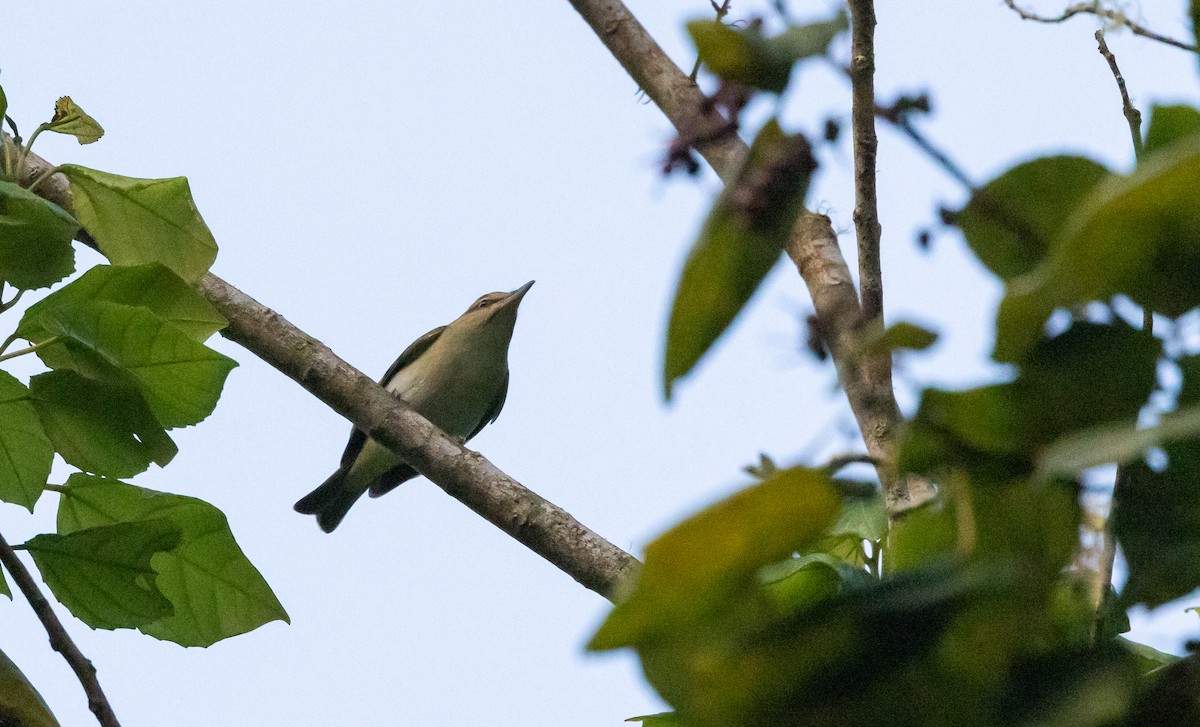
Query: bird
[456,376]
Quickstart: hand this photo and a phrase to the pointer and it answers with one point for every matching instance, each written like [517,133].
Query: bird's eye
[483,304]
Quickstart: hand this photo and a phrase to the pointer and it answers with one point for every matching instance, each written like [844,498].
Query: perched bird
[456,376]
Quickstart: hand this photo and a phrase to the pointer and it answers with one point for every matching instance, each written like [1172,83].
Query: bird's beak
[513,299]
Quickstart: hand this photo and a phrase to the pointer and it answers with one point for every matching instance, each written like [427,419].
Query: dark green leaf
[1158,527]
[746,56]
[713,557]
[70,119]
[1170,124]
[103,575]
[20,703]
[99,427]
[149,286]
[1011,222]
[1148,657]
[3,104]
[215,590]
[1137,235]
[180,379]
[26,452]
[741,240]
[138,221]
[35,239]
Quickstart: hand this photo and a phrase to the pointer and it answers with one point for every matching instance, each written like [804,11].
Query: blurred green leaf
[20,703]
[806,585]
[180,379]
[71,120]
[904,335]
[1148,658]
[1116,443]
[712,558]
[1137,235]
[3,105]
[1169,125]
[1158,527]
[27,453]
[138,221]
[746,56]
[1011,222]
[662,719]
[103,575]
[215,590]
[103,428]
[149,286]
[35,239]
[741,240]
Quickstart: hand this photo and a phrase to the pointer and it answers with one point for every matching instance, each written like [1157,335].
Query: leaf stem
[11,303]
[24,154]
[30,349]
[60,641]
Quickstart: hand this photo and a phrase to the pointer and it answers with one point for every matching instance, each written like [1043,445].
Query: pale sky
[369,169]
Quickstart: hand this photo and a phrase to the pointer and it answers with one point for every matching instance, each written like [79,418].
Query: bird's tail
[330,502]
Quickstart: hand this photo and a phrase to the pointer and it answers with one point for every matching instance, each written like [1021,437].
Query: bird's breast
[455,394]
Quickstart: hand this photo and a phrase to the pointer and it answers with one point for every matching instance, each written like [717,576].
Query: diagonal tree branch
[467,476]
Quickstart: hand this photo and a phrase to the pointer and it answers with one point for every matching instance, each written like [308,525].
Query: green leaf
[180,379]
[71,120]
[3,104]
[662,719]
[102,574]
[138,221]
[20,703]
[99,427]
[1169,125]
[1116,443]
[741,240]
[1011,222]
[746,56]
[1148,657]
[1137,235]
[148,286]
[712,558]
[1158,527]
[216,592]
[25,452]
[898,336]
[35,239]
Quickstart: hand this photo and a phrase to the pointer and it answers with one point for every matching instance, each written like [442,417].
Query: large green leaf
[139,221]
[741,240]
[25,452]
[1011,222]
[746,56]
[20,703]
[103,574]
[712,558]
[35,239]
[99,427]
[150,286]
[180,379]
[216,592]
[1137,235]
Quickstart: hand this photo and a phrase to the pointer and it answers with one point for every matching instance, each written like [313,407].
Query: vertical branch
[1102,577]
[866,146]
[59,640]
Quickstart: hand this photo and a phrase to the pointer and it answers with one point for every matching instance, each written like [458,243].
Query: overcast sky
[369,169]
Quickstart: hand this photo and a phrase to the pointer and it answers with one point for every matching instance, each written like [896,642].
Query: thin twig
[866,147]
[1103,576]
[1132,115]
[722,11]
[1116,17]
[943,160]
[60,641]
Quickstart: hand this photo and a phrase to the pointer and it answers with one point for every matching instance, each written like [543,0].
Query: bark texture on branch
[466,475]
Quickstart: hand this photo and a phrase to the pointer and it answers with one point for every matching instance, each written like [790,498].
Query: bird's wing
[493,412]
[358,437]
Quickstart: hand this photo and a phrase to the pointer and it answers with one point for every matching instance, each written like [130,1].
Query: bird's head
[494,311]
